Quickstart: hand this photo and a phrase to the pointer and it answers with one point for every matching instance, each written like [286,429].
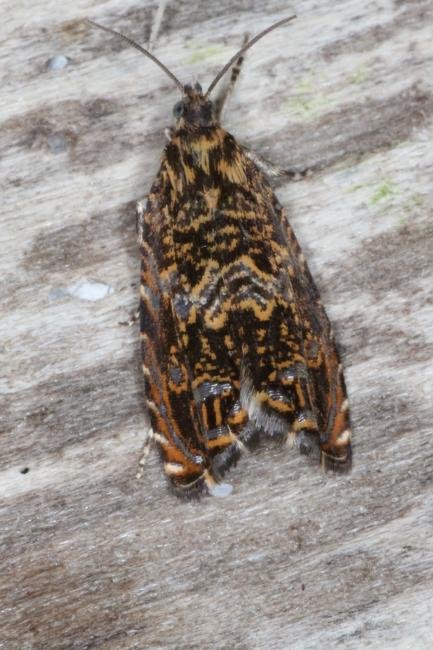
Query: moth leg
[227,90]
[139,214]
[132,319]
[139,221]
[273,171]
[150,439]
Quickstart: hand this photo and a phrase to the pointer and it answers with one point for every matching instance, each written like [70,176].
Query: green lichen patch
[383,192]
[203,53]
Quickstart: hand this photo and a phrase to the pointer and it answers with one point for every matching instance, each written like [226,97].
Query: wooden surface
[91,557]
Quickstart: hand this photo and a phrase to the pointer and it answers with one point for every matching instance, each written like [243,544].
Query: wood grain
[91,557]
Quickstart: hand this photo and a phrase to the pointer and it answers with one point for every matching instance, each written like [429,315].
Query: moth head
[194,109]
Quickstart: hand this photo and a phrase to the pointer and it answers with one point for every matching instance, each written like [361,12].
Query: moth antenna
[244,49]
[139,48]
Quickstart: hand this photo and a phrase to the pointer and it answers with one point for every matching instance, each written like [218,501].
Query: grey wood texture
[92,557]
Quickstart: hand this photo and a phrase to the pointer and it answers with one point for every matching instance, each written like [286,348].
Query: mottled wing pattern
[325,372]
[169,394]
[235,339]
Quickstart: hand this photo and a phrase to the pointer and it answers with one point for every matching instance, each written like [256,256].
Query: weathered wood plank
[90,556]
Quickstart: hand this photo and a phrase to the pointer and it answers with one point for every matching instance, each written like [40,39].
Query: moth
[235,341]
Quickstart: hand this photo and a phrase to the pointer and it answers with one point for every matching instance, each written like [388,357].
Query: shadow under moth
[235,340]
